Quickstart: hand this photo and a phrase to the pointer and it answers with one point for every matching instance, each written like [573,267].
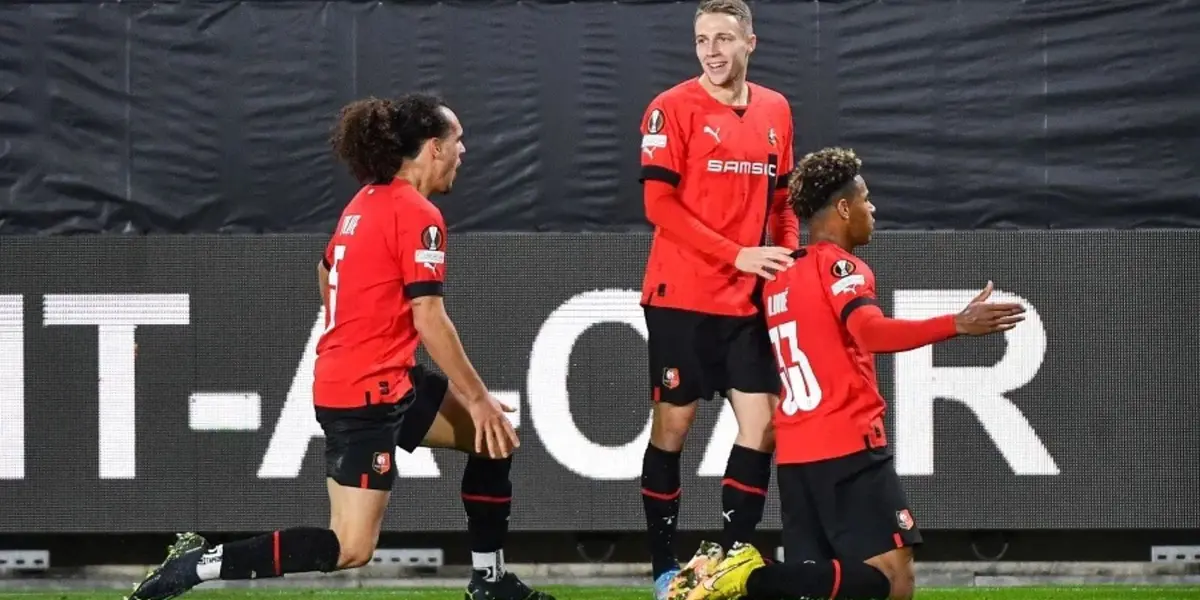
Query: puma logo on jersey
[848,284]
[652,142]
[430,259]
[716,133]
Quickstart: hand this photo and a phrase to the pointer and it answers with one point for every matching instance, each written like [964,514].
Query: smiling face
[724,41]
[860,213]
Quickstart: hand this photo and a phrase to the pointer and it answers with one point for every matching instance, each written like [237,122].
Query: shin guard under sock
[744,493]
[296,550]
[660,499]
[487,498]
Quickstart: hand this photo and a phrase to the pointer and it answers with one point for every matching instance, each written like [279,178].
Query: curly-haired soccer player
[381,283]
[848,531]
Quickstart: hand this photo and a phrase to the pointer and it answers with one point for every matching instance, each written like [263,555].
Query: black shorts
[694,355]
[360,442]
[849,508]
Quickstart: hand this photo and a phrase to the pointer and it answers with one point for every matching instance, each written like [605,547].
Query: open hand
[763,261]
[982,318]
[493,432]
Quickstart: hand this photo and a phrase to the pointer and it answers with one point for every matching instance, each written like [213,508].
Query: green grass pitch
[586,593]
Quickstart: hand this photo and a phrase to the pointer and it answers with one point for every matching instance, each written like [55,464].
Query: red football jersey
[831,405]
[726,167]
[389,247]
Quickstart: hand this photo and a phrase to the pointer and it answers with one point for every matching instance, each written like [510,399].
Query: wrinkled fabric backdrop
[141,117]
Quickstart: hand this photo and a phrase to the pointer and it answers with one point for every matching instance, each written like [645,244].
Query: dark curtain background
[140,117]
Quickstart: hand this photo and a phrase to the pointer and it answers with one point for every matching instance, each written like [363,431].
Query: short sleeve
[327,258]
[663,143]
[849,282]
[346,225]
[422,252]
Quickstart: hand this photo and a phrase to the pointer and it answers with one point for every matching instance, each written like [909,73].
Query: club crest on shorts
[432,238]
[843,268]
[656,121]
[382,463]
[670,378]
[904,519]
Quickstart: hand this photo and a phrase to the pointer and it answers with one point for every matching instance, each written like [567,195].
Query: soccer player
[848,531]
[381,285]
[716,152]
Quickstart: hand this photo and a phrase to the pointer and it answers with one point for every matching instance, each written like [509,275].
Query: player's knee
[355,554]
[355,546]
[670,440]
[465,442]
[459,431]
[903,582]
[671,425]
[756,438]
[755,431]
[904,590]
[897,566]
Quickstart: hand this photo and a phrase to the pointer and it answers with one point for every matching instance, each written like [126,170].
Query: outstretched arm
[877,333]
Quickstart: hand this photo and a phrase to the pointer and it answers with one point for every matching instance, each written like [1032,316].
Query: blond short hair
[738,9]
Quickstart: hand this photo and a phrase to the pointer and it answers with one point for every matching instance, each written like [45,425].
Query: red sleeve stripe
[657,173]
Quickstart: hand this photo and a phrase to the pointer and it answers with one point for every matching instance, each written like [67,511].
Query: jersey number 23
[800,388]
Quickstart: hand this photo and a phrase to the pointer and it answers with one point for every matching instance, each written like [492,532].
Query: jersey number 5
[339,252]
[800,388]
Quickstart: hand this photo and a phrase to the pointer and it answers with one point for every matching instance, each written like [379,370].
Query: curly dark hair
[375,136]
[821,178]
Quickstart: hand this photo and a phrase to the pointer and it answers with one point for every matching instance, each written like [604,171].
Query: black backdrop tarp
[213,116]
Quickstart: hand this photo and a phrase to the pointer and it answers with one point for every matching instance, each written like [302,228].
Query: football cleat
[662,585]
[707,556]
[177,573]
[509,587]
[727,580]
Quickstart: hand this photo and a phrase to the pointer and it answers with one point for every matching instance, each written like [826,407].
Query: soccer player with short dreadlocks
[848,531]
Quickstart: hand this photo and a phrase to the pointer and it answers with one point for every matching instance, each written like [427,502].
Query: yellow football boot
[728,580]
[702,564]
